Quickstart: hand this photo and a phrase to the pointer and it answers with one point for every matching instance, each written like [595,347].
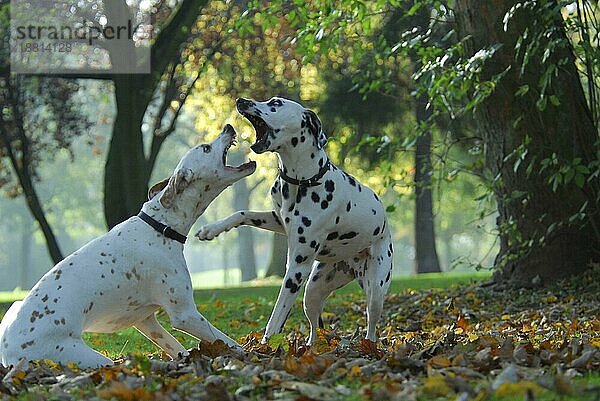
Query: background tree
[38,116]
[541,139]
[513,63]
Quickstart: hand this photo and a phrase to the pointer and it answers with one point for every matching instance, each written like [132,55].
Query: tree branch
[173,34]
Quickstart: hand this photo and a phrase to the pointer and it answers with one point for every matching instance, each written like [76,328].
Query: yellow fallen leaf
[436,386]
[473,337]
[355,371]
[18,377]
[73,366]
[438,361]
[518,388]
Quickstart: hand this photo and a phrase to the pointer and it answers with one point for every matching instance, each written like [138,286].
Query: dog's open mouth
[245,166]
[261,128]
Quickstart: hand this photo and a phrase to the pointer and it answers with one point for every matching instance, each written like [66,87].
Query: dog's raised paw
[206,233]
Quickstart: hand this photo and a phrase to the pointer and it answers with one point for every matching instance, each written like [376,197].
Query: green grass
[240,310]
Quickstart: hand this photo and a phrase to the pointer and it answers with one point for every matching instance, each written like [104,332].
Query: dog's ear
[175,185]
[315,127]
[156,188]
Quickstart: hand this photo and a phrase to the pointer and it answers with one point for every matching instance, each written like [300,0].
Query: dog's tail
[9,317]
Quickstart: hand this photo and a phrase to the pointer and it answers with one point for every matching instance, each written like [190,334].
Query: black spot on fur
[329,186]
[349,235]
[348,207]
[324,205]
[376,231]
[302,240]
[285,191]
[300,258]
[294,141]
[300,194]
[332,236]
[315,197]
[293,287]
[276,218]
[306,221]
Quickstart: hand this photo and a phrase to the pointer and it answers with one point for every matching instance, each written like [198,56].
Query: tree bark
[532,249]
[278,256]
[426,260]
[126,174]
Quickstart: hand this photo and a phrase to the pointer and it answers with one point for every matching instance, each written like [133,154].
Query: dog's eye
[274,103]
[206,148]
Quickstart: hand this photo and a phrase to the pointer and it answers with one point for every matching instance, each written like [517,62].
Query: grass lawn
[442,338]
[238,310]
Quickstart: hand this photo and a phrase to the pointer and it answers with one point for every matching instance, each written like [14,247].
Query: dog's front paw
[208,232]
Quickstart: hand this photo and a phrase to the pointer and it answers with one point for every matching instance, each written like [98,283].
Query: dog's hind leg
[75,350]
[323,280]
[378,274]
[153,330]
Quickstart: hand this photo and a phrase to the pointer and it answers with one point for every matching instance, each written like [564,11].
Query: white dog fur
[122,278]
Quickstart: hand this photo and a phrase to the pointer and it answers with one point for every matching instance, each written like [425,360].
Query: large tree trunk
[532,249]
[278,256]
[426,260]
[126,174]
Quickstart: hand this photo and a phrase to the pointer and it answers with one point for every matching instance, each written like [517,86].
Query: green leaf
[279,340]
[554,100]
[523,89]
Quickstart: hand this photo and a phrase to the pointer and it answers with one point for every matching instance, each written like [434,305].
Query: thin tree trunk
[26,241]
[245,242]
[538,243]
[426,260]
[21,169]
[278,256]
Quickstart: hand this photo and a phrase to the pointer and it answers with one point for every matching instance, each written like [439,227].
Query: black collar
[311,182]
[161,228]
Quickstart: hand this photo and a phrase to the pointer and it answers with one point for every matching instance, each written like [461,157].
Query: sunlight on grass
[239,310]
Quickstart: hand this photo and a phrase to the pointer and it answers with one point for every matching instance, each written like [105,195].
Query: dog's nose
[243,103]
[228,129]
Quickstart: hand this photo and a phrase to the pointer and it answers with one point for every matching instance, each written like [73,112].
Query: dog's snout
[243,104]
[228,129]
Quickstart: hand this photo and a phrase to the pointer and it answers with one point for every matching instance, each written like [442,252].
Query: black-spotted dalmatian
[336,227]
[122,278]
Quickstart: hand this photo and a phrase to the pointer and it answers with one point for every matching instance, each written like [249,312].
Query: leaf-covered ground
[468,342]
